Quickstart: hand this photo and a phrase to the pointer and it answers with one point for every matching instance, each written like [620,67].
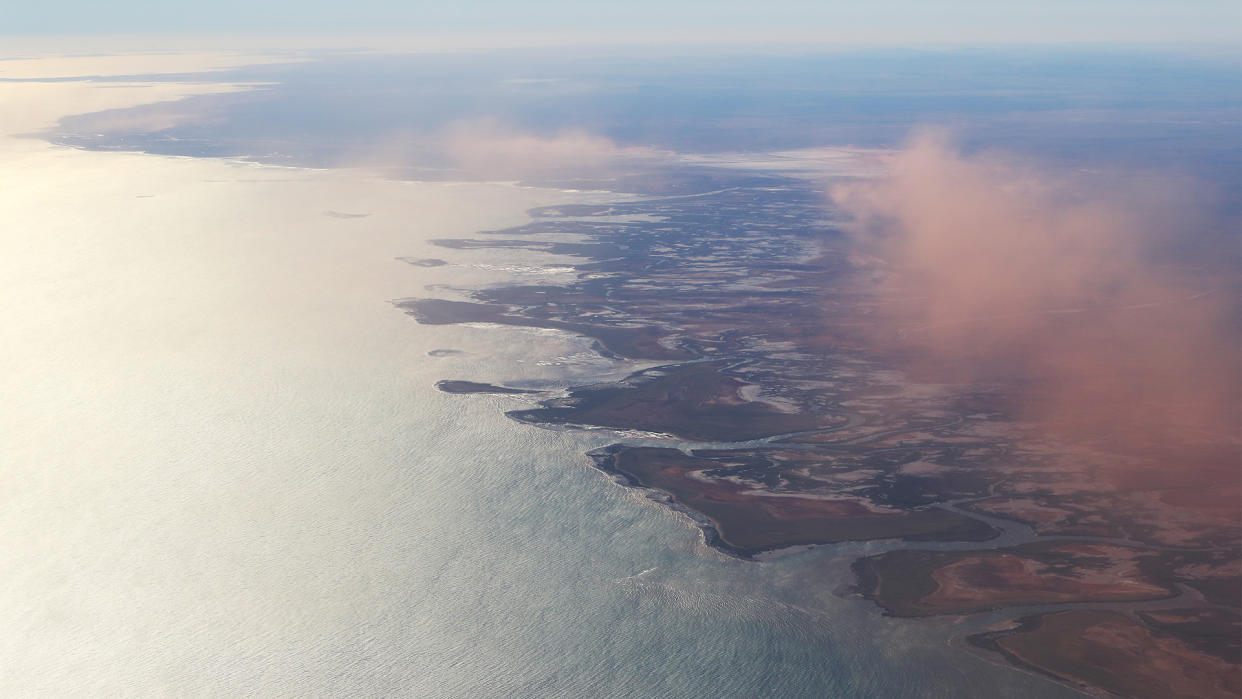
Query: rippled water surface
[226,470]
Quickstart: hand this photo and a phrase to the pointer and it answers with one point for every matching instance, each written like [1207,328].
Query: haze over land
[1112,294]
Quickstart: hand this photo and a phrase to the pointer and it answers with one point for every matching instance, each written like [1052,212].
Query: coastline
[760,459]
[837,450]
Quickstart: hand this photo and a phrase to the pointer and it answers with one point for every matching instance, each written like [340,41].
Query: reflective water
[226,470]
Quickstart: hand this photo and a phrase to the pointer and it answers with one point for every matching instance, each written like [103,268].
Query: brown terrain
[746,520]
[1113,651]
[919,583]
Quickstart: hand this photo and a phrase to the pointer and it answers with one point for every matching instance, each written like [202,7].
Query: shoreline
[770,447]
[722,280]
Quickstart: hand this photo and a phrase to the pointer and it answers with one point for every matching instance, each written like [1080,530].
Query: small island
[449,386]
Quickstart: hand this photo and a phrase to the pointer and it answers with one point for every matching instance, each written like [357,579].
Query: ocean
[227,471]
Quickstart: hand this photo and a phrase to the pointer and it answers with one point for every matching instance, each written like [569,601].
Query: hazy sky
[876,21]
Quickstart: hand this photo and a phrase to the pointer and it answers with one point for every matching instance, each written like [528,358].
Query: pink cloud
[1090,288]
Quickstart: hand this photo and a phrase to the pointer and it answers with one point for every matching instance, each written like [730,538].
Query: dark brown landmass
[635,343]
[777,421]
[746,520]
[693,401]
[1113,652]
[921,583]
[449,386]
[423,261]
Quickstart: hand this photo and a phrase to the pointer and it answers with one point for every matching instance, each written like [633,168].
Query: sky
[1185,22]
